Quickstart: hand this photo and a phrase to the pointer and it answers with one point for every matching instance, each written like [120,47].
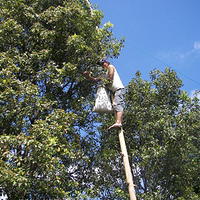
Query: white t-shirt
[116,83]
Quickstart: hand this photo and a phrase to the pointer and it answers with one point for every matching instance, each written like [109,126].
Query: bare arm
[111,70]
[88,76]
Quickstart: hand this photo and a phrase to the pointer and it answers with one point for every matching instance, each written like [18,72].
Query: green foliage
[49,147]
[162,127]
[33,163]
[45,102]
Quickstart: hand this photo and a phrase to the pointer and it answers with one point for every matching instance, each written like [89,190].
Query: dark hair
[103,60]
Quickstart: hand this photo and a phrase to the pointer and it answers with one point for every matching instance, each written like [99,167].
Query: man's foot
[116,125]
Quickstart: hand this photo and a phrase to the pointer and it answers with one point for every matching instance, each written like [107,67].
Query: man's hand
[86,74]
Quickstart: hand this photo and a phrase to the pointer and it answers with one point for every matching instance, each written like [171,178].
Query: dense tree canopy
[45,45]
[49,145]
[165,135]
[162,126]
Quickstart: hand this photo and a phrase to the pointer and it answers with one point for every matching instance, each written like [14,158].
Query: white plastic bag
[102,101]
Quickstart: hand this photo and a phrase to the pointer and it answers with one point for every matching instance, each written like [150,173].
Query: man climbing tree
[114,84]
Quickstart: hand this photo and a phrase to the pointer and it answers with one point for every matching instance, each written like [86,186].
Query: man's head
[103,62]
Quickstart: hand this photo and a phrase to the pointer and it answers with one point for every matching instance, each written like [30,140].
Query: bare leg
[118,122]
[119,117]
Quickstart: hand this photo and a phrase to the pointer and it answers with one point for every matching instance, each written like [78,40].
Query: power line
[161,62]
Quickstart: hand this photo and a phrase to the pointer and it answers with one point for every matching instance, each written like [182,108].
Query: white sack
[102,101]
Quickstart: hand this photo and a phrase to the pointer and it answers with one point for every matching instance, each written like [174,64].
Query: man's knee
[118,107]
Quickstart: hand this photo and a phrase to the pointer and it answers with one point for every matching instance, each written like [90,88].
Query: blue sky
[156,32]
